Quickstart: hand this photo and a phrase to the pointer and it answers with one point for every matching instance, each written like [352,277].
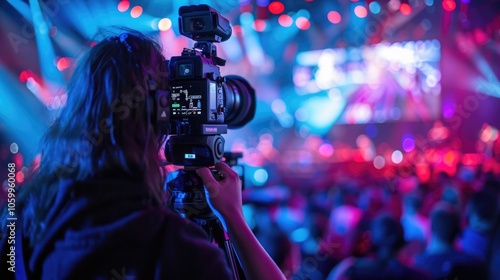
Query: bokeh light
[259,25]
[276,7]
[379,162]
[360,11]
[405,9]
[374,7]
[334,17]
[397,157]
[14,148]
[136,12]
[449,5]
[408,144]
[20,177]
[302,23]
[63,63]
[23,76]
[164,24]
[260,176]
[326,150]
[285,20]
[123,6]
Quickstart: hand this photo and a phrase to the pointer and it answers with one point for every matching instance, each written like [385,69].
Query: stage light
[278,106]
[262,3]
[300,235]
[363,141]
[63,63]
[259,25]
[123,6]
[23,77]
[379,162]
[449,5]
[393,5]
[276,7]
[334,17]
[237,29]
[14,148]
[360,11]
[397,157]
[302,23]
[164,24]
[260,176]
[405,9]
[246,19]
[301,114]
[326,150]
[285,20]
[31,83]
[136,12]
[374,7]
[408,144]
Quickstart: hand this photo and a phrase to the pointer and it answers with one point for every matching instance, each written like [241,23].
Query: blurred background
[373,97]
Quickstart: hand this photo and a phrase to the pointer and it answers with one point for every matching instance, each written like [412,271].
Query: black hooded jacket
[111,229]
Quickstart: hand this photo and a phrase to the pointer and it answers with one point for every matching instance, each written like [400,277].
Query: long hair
[106,126]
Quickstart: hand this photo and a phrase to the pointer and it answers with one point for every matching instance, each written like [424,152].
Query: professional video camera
[203,104]
[199,107]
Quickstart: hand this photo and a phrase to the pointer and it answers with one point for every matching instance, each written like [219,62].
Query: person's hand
[224,195]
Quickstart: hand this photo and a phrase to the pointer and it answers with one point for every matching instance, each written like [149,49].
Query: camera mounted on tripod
[201,104]
[198,108]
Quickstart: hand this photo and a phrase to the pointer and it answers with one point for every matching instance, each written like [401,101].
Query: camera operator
[95,206]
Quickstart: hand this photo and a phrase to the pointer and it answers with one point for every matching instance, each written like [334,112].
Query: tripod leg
[222,239]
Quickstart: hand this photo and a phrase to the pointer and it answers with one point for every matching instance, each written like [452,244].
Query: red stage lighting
[405,9]
[63,63]
[276,7]
[334,17]
[285,20]
[360,11]
[449,5]
[259,25]
[123,6]
[136,12]
[23,77]
[303,23]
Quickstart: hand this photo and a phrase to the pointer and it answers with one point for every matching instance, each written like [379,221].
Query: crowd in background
[363,228]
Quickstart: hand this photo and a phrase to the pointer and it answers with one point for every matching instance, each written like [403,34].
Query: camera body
[203,23]
[201,104]
[196,92]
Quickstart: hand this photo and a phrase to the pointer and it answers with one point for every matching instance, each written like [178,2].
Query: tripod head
[188,196]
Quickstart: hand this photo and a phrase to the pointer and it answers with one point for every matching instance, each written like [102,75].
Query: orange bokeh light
[136,12]
[123,6]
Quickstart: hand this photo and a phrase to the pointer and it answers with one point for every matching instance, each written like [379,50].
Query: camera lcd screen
[186,100]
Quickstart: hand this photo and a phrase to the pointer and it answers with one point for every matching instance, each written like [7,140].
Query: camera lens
[186,69]
[198,24]
[240,101]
